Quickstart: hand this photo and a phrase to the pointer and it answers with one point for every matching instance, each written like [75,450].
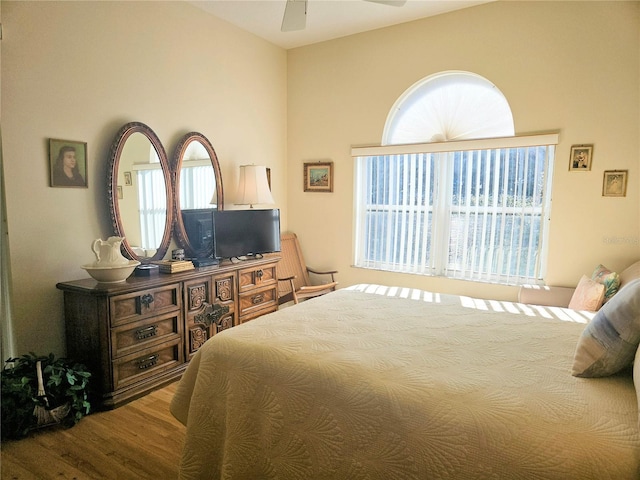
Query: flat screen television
[198,225]
[239,233]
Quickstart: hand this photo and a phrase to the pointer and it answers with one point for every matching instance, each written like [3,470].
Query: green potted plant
[62,397]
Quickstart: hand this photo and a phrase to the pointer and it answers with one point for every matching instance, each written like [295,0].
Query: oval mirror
[140,193]
[198,192]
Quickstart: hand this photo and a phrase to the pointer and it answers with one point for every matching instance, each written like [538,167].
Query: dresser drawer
[147,363]
[251,278]
[134,306]
[258,299]
[258,313]
[132,337]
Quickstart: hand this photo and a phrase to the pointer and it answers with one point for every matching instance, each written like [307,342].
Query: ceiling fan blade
[295,16]
[392,3]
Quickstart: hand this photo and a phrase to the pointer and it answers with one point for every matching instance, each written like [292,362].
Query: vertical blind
[197,185]
[152,201]
[475,210]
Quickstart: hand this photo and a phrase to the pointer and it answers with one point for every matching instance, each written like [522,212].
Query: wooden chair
[293,273]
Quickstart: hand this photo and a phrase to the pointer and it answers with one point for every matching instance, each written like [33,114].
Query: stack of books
[174,266]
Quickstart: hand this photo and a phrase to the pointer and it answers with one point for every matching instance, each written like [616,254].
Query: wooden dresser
[139,335]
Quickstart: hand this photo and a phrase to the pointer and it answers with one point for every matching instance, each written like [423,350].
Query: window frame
[443,231]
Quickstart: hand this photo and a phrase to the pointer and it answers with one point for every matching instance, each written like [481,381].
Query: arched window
[449,106]
[451,191]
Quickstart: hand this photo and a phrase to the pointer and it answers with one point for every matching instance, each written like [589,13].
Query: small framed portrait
[68,163]
[614,183]
[318,177]
[120,195]
[127,179]
[580,160]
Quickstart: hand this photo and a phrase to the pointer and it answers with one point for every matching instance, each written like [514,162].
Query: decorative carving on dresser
[197,335]
[211,314]
[197,296]
[225,322]
[224,289]
[139,335]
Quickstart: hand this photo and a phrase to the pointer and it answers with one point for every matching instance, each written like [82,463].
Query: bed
[374,382]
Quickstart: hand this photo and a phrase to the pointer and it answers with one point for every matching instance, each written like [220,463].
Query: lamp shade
[252,186]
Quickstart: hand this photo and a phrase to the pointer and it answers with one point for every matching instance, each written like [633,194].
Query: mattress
[374,382]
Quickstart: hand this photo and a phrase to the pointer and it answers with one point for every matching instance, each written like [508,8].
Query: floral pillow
[610,280]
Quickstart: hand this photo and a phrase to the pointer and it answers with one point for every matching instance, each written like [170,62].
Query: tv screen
[198,225]
[239,233]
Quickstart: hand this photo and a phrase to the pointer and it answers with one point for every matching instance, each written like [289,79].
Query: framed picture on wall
[614,183]
[580,160]
[318,177]
[127,178]
[68,163]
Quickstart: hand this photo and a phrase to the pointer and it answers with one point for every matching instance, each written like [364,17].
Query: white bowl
[116,274]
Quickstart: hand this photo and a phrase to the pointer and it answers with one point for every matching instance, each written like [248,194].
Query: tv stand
[244,258]
[204,262]
[139,335]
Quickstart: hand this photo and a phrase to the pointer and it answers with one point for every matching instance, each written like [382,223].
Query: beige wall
[572,67]
[79,71]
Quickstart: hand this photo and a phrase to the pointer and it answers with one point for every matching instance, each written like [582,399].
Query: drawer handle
[211,314]
[148,362]
[259,273]
[257,299]
[147,332]
[146,299]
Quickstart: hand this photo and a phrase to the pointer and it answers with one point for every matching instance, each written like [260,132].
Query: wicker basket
[48,416]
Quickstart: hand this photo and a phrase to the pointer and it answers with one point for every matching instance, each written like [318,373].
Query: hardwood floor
[136,441]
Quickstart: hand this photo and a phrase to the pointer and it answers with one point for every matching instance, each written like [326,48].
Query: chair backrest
[291,263]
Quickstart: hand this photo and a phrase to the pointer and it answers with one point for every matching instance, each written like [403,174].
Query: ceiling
[326,19]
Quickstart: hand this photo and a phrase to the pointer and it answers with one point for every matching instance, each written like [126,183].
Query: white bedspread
[356,385]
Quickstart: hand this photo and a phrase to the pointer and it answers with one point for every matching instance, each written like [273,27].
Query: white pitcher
[108,252]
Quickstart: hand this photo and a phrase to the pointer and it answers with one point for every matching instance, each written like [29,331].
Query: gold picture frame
[67,163]
[580,158]
[614,183]
[318,177]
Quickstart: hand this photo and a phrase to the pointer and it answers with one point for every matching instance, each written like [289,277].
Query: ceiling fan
[295,13]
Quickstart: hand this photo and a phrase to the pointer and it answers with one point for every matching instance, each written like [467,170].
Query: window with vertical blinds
[152,205]
[475,210]
[196,179]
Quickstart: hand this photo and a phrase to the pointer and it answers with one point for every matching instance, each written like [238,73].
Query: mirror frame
[112,187]
[181,235]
